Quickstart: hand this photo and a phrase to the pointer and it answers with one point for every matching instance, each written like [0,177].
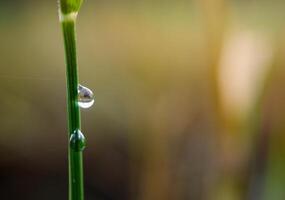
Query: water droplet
[77,141]
[85,97]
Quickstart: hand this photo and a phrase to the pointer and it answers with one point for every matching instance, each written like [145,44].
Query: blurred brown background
[190,100]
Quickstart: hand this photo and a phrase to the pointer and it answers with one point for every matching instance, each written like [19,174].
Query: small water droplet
[85,97]
[77,141]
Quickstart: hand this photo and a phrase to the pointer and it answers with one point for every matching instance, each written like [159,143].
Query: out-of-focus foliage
[70,6]
[190,100]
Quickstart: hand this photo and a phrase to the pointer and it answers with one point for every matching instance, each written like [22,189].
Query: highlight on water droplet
[77,141]
[85,97]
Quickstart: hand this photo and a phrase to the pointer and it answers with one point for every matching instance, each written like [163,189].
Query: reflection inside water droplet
[85,97]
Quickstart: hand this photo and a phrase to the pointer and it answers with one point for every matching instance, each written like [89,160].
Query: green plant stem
[75,157]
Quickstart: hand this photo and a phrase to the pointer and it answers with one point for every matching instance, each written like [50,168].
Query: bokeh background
[190,100]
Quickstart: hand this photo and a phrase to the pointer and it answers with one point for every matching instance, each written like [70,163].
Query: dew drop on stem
[77,141]
[85,97]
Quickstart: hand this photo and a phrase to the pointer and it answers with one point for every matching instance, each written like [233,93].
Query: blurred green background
[190,100]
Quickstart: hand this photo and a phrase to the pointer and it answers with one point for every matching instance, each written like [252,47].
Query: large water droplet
[77,141]
[85,97]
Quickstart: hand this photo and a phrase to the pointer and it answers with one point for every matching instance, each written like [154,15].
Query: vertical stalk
[75,156]
[68,10]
